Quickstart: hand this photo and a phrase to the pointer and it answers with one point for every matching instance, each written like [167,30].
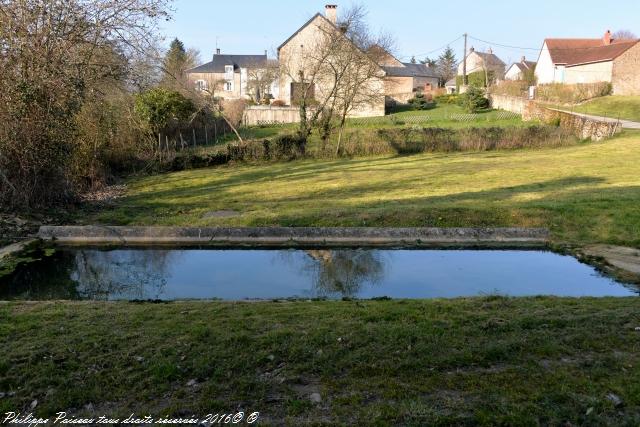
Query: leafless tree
[53,55]
[339,73]
[624,35]
[260,77]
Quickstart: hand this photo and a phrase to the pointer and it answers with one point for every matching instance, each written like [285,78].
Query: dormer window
[228,71]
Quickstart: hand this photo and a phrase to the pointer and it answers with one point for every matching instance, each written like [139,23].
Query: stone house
[404,79]
[481,61]
[397,81]
[518,70]
[296,55]
[231,76]
[604,59]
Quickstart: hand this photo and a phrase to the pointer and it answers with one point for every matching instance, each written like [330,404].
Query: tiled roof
[410,70]
[583,51]
[238,61]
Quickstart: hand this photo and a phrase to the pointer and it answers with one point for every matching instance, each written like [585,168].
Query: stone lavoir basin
[82,273]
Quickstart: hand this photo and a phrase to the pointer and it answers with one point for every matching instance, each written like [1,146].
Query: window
[228,72]
[201,85]
[228,86]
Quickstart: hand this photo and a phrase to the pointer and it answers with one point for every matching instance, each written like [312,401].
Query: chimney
[217,51]
[607,38]
[331,13]
[523,59]
[490,51]
[473,49]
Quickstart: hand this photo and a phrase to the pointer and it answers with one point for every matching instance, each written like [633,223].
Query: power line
[537,49]
[434,50]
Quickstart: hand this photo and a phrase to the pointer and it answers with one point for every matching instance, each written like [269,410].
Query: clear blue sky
[418,26]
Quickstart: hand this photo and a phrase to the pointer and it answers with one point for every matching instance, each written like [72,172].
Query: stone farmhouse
[229,76]
[603,59]
[397,81]
[518,70]
[481,61]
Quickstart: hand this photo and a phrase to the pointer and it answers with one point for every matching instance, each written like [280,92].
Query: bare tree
[53,54]
[337,74]
[260,78]
[624,35]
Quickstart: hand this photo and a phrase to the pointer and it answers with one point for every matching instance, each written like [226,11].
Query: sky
[420,28]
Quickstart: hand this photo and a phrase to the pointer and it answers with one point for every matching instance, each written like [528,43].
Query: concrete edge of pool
[293,236]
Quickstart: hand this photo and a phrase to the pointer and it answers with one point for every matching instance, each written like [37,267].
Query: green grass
[623,107]
[484,361]
[584,193]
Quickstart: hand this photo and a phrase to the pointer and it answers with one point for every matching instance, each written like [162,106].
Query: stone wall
[626,72]
[582,127]
[509,103]
[268,115]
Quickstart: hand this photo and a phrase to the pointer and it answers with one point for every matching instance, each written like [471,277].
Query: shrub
[477,79]
[572,93]
[474,100]
[233,110]
[420,140]
[447,99]
[518,88]
[159,108]
[422,102]
[278,103]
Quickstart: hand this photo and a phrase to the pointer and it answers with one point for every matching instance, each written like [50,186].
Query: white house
[604,59]
[481,61]
[518,70]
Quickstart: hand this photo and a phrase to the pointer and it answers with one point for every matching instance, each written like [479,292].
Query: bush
[422,102]
[477,79]
[420,140]
[518,88]
[161,108]
[452,99]
[572,93]
[278,103]
[474,100]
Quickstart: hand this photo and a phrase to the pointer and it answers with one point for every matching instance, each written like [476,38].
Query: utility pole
[464,63]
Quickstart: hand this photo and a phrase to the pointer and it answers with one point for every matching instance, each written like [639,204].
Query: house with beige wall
[298,57]
[605,59]
[481,62]
[397,81]
[229,76]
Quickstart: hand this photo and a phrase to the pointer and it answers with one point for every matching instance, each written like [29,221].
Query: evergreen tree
[413,60]
[447,65]
[429,62]
[175,63]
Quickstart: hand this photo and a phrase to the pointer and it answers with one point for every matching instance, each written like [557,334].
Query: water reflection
[344,272]
[76,274]
[122,275]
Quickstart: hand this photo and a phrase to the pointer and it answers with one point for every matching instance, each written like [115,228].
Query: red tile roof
[583,51]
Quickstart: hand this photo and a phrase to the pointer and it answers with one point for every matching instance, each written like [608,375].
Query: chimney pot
[473,49]
[331,13]
[523,59]
[217,51]
[607,38]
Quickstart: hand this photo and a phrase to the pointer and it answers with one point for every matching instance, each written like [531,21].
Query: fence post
[194,136]
[206,135]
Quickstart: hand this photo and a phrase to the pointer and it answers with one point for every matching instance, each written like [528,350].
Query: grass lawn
[584,193]
[623,107]
[443,115]
[489,360]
